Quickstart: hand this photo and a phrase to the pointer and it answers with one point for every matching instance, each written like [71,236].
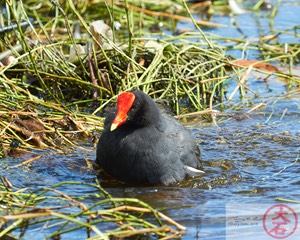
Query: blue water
[251,26]
[251,157]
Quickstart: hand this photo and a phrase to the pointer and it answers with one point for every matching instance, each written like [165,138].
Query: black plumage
[149,146]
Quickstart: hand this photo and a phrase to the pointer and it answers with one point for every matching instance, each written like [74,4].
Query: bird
[142,144]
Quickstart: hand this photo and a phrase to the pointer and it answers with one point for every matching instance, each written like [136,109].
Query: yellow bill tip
[113,126]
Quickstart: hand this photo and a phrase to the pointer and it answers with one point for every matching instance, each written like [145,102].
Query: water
[251,157]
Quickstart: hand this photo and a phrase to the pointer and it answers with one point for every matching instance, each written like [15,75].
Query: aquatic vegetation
[63,62]
[61,67]
[56,214]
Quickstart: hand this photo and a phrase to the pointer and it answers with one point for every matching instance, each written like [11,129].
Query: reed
[57,76]
[58,214]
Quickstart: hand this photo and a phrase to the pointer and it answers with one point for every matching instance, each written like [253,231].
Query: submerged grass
[57,214]
[59,72]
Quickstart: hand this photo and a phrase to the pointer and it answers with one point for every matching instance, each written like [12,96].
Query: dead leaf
[256,65]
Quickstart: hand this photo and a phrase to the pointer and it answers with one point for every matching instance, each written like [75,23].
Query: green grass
[56,214]
[50,101]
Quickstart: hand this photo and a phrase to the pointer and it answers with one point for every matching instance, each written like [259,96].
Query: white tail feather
[193,171]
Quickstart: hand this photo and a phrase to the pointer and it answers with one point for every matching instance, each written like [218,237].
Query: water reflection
[250,157]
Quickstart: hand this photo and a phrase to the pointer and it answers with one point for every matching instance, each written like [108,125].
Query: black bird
[141,144]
